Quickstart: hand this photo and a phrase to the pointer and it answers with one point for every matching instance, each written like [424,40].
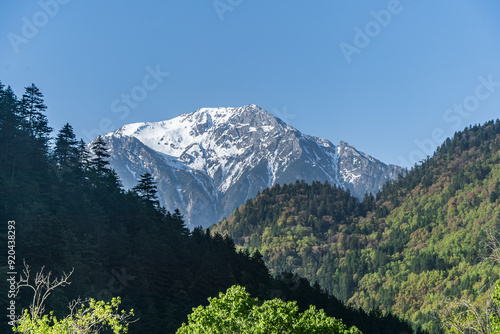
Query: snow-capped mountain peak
[208,162]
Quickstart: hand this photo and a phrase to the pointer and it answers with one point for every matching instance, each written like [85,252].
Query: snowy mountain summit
[209,162]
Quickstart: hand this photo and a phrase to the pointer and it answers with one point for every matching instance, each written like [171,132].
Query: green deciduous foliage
[236,312]
[495,316]
[464,317]
[483,315]
[90,316]
[119,244]
[85,317]
[418,243]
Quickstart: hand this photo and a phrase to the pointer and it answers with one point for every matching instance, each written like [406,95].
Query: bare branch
[464,317]
[87,316]
[492,245]
[42,287]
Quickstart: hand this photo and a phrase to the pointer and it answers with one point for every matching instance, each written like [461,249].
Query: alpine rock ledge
[209,162]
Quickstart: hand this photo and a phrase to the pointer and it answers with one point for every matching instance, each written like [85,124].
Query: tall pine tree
[100,160]
[10,130]
[34,114]
[66,152]
[84,155]
[99,165]
[147,188]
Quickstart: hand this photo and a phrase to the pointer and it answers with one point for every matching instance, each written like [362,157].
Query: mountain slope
[74,215]
[420,242]
[210,161]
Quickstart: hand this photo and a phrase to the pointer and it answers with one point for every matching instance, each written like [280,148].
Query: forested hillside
[419,243]
[70,211]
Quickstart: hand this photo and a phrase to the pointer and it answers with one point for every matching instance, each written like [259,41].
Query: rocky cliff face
[209,162]
[362,173]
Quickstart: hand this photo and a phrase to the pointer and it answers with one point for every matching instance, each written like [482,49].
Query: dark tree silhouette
[100,161]
[147,188]
[34,114]
[66,152]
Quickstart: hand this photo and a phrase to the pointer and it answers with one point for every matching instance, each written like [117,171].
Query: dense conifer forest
[70,211]
[409,249]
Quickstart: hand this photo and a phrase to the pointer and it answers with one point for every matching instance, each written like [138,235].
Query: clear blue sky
[383,90]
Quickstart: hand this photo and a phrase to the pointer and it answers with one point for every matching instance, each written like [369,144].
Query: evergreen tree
[9,117]
[99,168]
[100,160]
[10,132]
[34,114]
[66,151]
[147,188]
[99,164]
[83,154]
[119,245]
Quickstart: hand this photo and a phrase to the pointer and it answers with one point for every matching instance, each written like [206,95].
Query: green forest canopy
[417,244]
[72,212]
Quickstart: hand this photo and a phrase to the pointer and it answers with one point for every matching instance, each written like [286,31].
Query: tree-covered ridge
[417,244]
[294,218]
[70,211]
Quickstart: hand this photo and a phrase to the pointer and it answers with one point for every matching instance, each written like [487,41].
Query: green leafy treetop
[464,317]
[236,312]
[495,317]
[89,316]
[483,316]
